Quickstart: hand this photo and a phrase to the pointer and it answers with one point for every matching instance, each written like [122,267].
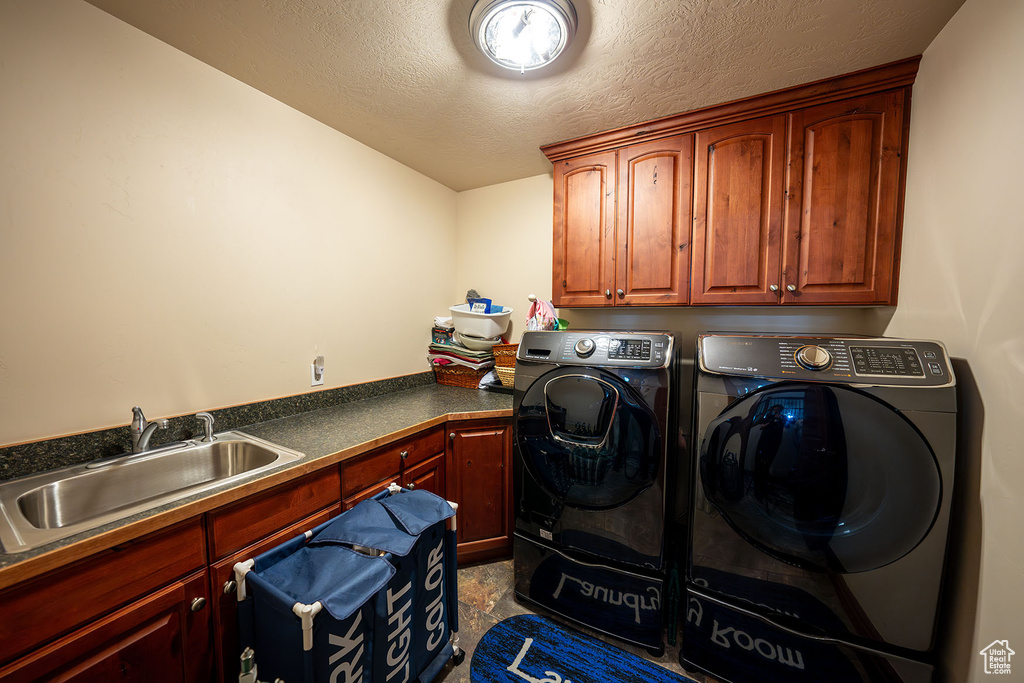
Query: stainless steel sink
[46,507]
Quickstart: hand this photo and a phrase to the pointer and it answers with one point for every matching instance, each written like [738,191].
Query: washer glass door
[588,439]
[821,477]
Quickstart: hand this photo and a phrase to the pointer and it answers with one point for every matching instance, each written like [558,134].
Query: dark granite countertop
[333,430]
[326,437]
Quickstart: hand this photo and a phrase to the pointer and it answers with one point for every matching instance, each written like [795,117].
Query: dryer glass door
[821,477]
[588,439]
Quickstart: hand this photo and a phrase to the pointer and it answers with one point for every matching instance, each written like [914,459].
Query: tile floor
[486,597]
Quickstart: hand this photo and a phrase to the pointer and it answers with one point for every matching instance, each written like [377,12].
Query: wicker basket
[505,355]
[506,375]
[458,376]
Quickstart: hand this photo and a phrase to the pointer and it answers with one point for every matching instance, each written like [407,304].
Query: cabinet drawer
[384,463]
[51,605]
[235,526]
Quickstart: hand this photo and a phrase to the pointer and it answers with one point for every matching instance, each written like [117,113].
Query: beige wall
[172,238]
[504,244]
[962,281]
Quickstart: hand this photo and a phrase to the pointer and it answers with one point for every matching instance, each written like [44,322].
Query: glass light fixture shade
[522,34]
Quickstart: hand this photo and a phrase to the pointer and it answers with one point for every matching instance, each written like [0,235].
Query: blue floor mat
[536,650]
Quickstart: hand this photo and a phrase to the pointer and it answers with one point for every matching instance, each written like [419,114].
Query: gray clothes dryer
[822,487]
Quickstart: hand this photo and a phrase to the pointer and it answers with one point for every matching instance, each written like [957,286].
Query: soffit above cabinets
[405,79]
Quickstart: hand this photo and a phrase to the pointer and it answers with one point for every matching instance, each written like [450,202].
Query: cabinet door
[164,636]
[737,212]
[843,213]
[427,475]
[584,231]
[480,481]
[654,223]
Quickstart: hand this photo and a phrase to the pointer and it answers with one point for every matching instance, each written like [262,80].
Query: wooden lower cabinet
[480,481]
[164,636]
[225,597]
[125,613]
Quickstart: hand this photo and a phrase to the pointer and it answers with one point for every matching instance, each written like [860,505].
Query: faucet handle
[207,421]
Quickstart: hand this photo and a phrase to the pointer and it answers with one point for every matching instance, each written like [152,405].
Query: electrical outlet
[316,372]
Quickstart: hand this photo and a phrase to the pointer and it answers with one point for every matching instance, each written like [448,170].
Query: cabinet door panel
[842,218]
[654,224]
[479,476]
[584,229]
[737,209]
[428,475]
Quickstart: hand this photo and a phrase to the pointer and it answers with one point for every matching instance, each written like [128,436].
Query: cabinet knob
[773,288]
[620,293]
[452,435]
[411,486]
[607,294]
[790,288]
[198,604]
[404,454]
[229,587]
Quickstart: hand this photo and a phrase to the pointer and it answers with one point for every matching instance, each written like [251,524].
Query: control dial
[584,347]
[813,357]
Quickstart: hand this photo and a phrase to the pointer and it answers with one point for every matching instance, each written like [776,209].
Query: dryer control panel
[598,349]
[870,360]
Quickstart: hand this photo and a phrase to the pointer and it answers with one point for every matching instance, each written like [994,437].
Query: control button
[929,354]
[584,347]
[813,357]
[935,368]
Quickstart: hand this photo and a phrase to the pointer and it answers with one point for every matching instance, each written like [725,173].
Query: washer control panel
[608,349]
[878,361]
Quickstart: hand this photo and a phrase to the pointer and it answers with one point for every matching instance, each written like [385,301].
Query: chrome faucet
[142,430]
[207,421]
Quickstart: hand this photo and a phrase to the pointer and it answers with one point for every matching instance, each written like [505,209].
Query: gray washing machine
[823,479]
[593,425]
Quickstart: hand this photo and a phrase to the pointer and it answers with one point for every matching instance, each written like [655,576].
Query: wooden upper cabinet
[653,223]
[790,197]
[737,212]
[584,231]
[842,220]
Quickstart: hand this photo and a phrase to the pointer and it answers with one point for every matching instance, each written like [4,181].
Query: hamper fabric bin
[368,596]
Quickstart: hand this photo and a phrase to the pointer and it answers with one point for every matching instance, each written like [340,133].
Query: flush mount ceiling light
[522,34]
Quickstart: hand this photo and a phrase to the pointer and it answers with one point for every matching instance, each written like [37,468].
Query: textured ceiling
[405,79]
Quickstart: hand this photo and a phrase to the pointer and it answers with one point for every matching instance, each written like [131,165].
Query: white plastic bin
[483,325]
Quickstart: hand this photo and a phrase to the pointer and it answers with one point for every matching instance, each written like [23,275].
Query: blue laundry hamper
[368,596]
